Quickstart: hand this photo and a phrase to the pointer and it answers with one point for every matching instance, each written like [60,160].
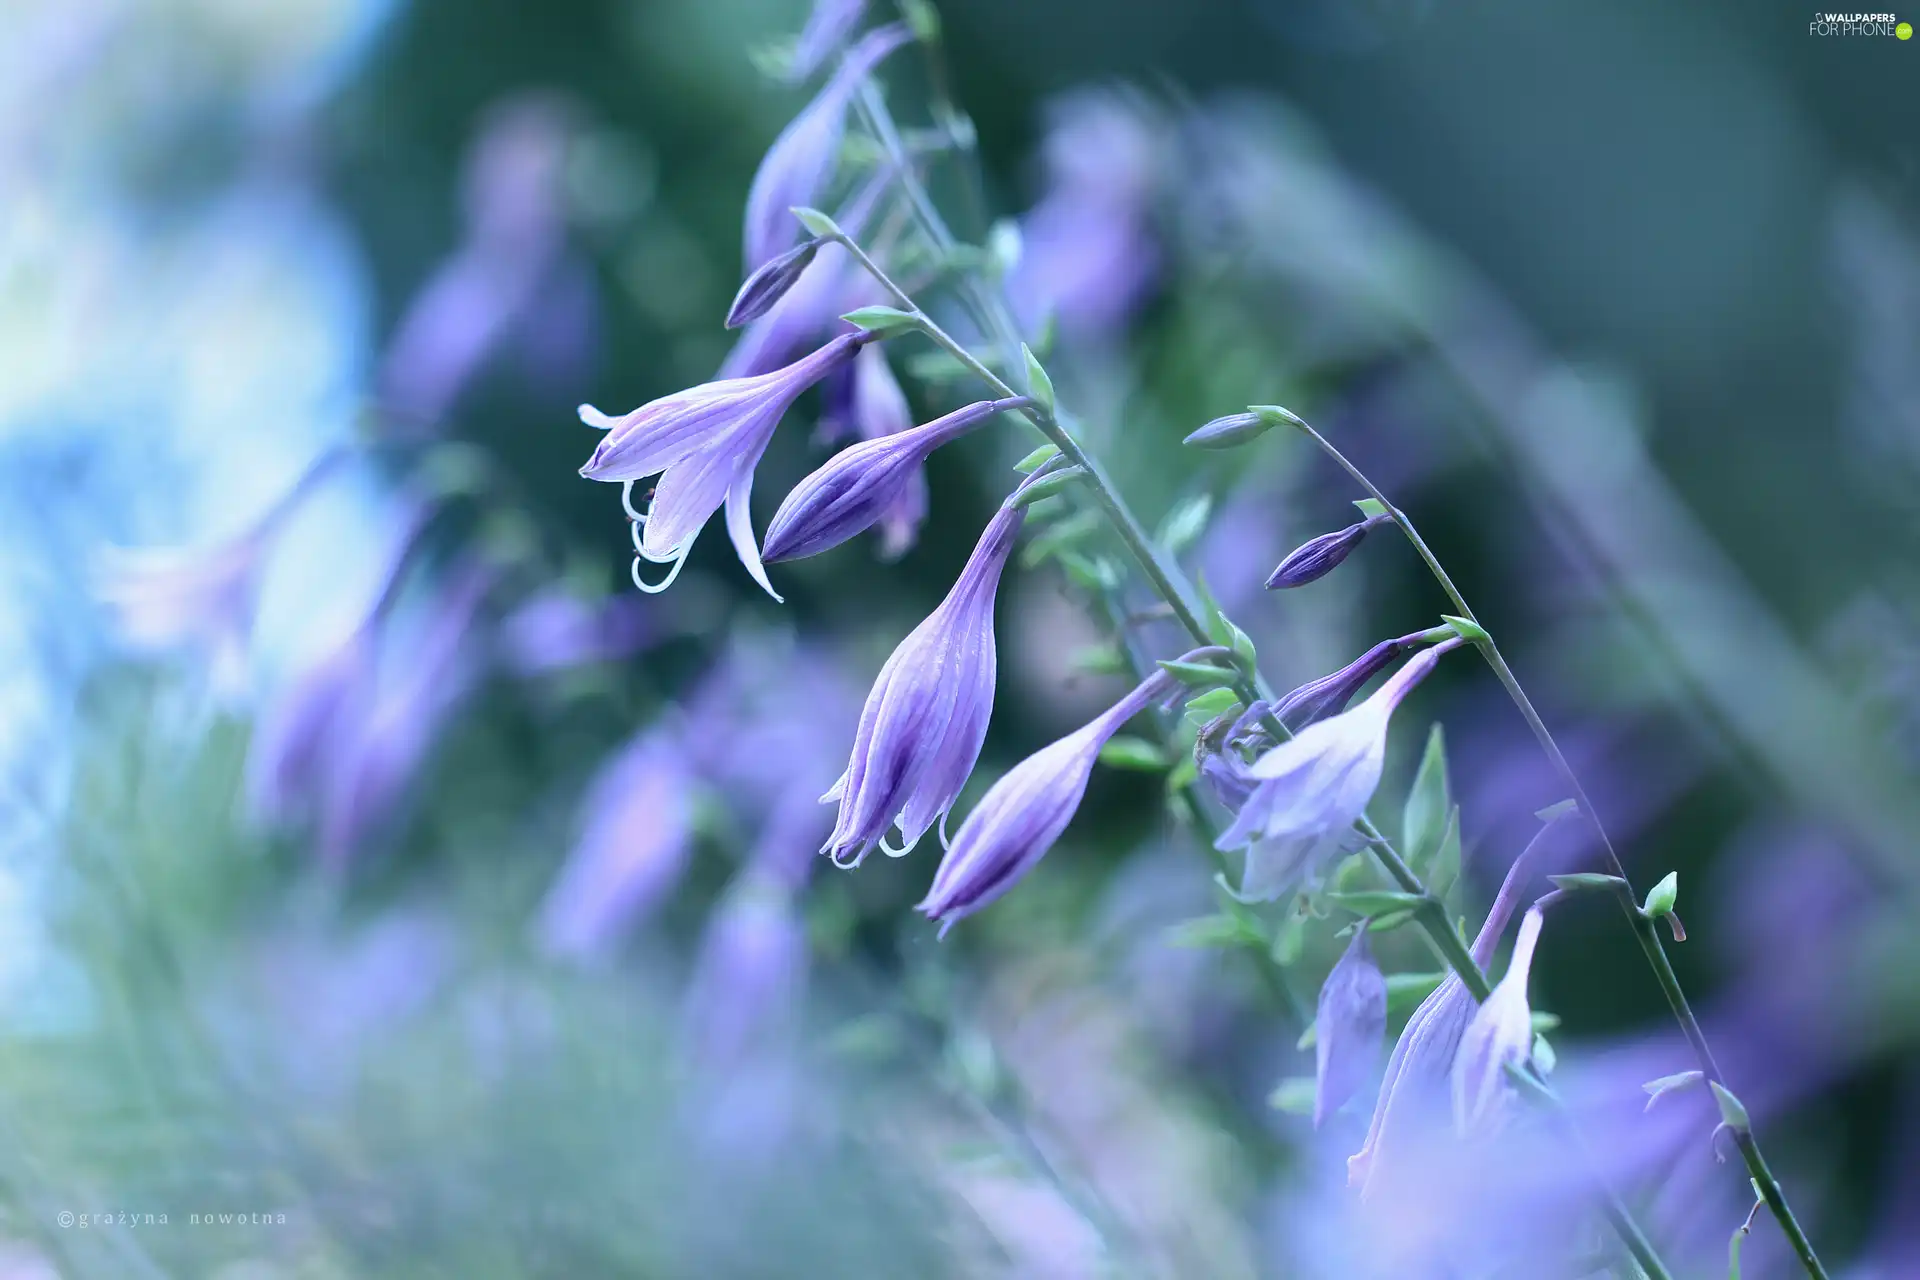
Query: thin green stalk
[1644,930]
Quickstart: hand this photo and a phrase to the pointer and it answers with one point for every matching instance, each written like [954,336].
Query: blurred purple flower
[511,283]
[288,753]
[635,837]
[828,26]
[801,159]
[558,629]
[879,408]
[859,485]
[1087,255]
[167,597]
[385,733]
[1499,1036]
[1023,813]
[704,443]
[926,718]
[1311,789]
[1350,1026]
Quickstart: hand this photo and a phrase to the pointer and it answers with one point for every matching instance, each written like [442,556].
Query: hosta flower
[801,159]
[704,444]
[1023,813]
[1318,557]
[1499,1037]
[857,487]
[1350,1026]
[1329,695]
[922,726]
[1311,789]
[162,598]
[635,837]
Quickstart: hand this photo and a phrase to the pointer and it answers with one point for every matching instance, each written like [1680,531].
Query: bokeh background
[508,955]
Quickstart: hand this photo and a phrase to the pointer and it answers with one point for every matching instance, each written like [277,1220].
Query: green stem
[1644,930]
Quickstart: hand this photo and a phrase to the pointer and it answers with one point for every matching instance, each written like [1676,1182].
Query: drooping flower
[1023,813]
[801,159]
[1317,557]
[1499,1036]
[858,485]
[1311,789]
[635,836]
[704,444]
[1350,1026]
[1329,695]
[926,718]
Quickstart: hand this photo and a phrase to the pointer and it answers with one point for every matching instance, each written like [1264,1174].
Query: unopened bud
[770,283]
[1317,557]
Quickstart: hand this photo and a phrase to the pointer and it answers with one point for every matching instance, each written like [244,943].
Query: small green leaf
[1444,870]
[1102,660]
[1468,630]
[819,224]
[1544,1021]
[1223,930]
[1423,824]
[1060,536]
[1004,246]
[1731,1109]
[1658,1089]
[1213,703]
[1031,463]
[1293,1096]
[1184,524]
[1289,940]
[1371,507]
[1198,675]
[1182,775]
[1586,882]
[922,19]
[1276,415]
[1092,573]
[1544,1058]
[1039,385]
[1048,485]
[883,320]
[1381,924]
[937,366]
[1137,754]
[1662,896]
[1377,902]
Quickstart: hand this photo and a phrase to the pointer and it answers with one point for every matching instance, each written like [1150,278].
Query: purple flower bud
[704,443]
[828,27]
[1317,699]
[1499,1036]
[1023,813]
[801,158]
[856,487]
[921,729]
[765,287]
[636,833]
[1311,789]
[1317,557]
[1350,1026]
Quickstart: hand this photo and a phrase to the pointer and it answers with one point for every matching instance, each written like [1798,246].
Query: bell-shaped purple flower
[1311,789]
[636,834]
[162,598]
[704,444]
[1350,1026]
[858,485]
[1023,813]
[1499,1036]
[1317,557]
[926,718]
[801,159]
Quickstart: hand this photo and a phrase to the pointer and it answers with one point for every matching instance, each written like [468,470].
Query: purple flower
[1318,557]
[288,754]
[1311,789]
[1499,1036]
[557,629]
[800,160]
[772,282]
[858,486]
[1318,699]
[921,729]
[636,833]
[1023,813]
[1350,1025]
[704,443]
[828,27]
[163,598]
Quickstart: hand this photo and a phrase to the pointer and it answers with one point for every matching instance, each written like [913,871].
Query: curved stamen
[655,588]
[898,852]
[626,503]
[945,843]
